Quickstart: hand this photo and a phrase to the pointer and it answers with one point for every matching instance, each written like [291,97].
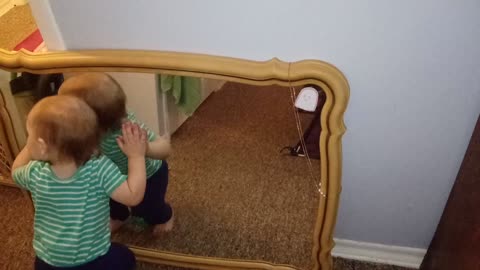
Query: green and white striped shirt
[111,149]
[71,225]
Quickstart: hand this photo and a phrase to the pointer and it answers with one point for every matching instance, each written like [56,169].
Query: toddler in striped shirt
[71,185]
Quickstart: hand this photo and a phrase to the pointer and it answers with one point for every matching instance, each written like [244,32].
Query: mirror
[244,191]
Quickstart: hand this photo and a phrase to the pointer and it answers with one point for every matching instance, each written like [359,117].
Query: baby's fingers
[135,130]
[120,142]
[143,136]
[126,132]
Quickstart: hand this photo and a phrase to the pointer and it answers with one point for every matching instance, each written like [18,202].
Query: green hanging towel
[185,90]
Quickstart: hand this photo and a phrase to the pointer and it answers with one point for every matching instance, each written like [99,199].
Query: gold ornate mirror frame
[274,71]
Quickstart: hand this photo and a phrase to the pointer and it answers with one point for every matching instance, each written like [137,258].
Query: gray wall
[412,65]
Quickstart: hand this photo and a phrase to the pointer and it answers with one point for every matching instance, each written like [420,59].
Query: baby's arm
[133,144]
[22,159]
[23,168]
[159,148]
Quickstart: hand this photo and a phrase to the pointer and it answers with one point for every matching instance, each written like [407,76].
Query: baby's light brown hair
[102,93]
[68,124]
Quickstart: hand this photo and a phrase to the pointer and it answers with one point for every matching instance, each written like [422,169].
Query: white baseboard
[377,253]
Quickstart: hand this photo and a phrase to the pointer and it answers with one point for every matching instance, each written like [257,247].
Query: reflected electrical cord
[298,123]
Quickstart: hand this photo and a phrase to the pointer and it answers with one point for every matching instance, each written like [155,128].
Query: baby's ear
[42,146]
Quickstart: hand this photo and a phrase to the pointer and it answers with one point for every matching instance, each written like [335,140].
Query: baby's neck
[64,169]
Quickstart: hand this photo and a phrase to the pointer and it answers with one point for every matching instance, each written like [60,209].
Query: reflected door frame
[9,137]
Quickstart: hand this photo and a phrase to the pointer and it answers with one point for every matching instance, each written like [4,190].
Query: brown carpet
[339,264]
[234,196]
[16,25]
[16,231]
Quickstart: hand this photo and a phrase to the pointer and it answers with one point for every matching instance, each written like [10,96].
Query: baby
[71,186]
[106,97]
